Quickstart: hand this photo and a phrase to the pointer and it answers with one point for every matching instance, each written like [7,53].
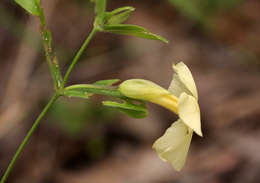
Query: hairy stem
[28,136]
[79,53]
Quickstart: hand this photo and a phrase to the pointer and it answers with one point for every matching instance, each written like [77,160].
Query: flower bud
[146,90]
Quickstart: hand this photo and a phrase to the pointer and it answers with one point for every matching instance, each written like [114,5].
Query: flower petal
[189,112]
[171,138]
[183,81]
[177,156]
[173,146]
[177,87]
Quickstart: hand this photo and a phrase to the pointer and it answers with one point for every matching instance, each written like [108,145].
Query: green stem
[53,99]
[49,53]
[28,136]
[79,53]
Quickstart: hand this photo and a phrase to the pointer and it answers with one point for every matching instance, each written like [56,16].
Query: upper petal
[183,81]
[189,112]
[177,87]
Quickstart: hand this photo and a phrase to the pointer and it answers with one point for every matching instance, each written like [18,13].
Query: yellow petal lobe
[183,81]
[189,112]
[173,146]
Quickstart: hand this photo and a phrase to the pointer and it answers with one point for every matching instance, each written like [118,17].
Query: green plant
[105,21]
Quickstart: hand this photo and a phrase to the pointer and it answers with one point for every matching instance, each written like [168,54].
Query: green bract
[181,98]
[131,107]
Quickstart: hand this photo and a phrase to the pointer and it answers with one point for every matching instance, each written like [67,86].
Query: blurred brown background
[83,142]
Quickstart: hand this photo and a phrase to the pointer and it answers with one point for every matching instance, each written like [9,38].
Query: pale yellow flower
[175,151]
[182,99]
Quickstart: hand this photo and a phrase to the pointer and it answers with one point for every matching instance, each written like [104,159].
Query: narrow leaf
[118,15]
[124,27]
[133,110]
[78,94]
[133,30]
[95,89]
[109,82]
[120,18]
[119,10]
[31,6]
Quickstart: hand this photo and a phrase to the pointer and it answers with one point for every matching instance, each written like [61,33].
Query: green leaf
[132,30]
[120,18]
[83,90]
[31,6]
[119,10]
[124,27]
[75,93]
[108,82]
[129,108]
[104,87]
[118,15]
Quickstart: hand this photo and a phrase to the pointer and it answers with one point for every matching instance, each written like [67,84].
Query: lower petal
[173,146]
[177,156]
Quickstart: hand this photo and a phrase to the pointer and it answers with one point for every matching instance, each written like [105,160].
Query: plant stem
[53,99]
[28,136]
[79,53]
[49,53]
